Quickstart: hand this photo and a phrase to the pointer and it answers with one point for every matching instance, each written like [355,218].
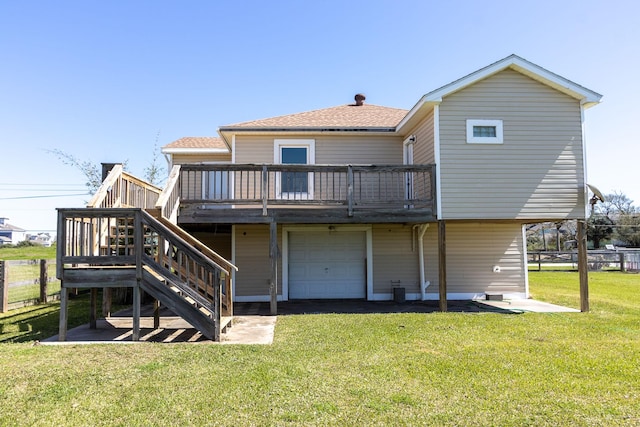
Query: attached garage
[326,263]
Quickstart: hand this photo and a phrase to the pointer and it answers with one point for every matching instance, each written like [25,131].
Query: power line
[24,190]
[43,196]
[41,184]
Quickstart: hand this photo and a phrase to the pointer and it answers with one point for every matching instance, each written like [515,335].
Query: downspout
[424,284]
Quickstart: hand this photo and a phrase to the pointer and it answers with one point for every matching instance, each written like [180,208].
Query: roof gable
[528,69]
[587,97]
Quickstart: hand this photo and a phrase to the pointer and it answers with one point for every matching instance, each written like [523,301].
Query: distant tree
[550,235]
[599,228]
[628,230]
[624,217]
[616,204]
[91,171]
[154,173]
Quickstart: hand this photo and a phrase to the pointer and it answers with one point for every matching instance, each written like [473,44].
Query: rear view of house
[354,201]
[357,201]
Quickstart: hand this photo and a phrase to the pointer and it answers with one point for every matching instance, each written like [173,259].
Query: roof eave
[194,150]
[308,129]
[322,129]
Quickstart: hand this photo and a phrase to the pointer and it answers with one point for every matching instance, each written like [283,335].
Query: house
[44,239]
[356,201]
[353,201]
[10,234]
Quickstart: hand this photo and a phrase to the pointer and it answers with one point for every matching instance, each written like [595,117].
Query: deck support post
[442,265]
[64,304]
[93,312]
[106,302]
[44,281]
[583,265]
[4,286]
[136,314]
[264,189]
[156,314]
[138,238]
[273,256]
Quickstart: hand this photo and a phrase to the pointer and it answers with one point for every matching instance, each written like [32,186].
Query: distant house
[10,234]
[43,239]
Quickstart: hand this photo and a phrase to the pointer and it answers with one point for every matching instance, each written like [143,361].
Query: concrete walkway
[253,324]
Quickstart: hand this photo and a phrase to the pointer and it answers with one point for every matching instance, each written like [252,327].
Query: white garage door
[327,264]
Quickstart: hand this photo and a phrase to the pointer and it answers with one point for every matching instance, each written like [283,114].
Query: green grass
[483,369]
[37,322]
[27,252]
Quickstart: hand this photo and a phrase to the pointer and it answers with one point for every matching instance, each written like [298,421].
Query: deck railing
[121,189]
[169,200]
[352,186]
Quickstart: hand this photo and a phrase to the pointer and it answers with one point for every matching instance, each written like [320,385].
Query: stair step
[225,322]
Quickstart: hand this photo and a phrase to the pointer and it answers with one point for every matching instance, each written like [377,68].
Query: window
[484,132]
[294,185]
[294,182]
[216,185]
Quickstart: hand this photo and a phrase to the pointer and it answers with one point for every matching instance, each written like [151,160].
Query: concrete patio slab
[173,329]
[527,305]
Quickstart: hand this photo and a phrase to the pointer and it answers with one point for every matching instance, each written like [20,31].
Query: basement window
[484,132]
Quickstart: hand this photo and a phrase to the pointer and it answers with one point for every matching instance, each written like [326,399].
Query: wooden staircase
[119,245]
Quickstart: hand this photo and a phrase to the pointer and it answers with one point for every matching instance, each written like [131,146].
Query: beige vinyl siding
[341,150]
[219,243]
[537,173]
[473,249]
[423,149]
[329,150]
[254,149]
[252,260]
[182,159]
[374,150]
[395,260]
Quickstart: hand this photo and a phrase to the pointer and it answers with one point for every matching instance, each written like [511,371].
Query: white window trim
[498,139]
[310,145]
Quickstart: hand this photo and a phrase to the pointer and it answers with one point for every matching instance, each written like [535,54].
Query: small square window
[484,132]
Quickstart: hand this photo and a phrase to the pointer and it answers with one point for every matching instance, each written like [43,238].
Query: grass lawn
[537,369]
[27,252]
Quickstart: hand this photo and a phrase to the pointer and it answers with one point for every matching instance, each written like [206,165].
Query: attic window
[484,132]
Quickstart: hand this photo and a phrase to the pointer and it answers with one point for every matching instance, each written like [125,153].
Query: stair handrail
[120,188]
[169,200]
[100,198]
[188,238]
[172,236]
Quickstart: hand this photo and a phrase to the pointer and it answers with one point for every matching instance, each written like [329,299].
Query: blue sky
[104,80]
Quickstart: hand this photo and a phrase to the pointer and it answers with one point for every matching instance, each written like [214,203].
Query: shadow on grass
[42,321]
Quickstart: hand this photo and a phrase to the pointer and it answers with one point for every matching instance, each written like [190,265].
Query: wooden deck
[342,194]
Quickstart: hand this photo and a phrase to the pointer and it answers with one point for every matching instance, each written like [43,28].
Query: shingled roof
[196,143]
[341,117]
